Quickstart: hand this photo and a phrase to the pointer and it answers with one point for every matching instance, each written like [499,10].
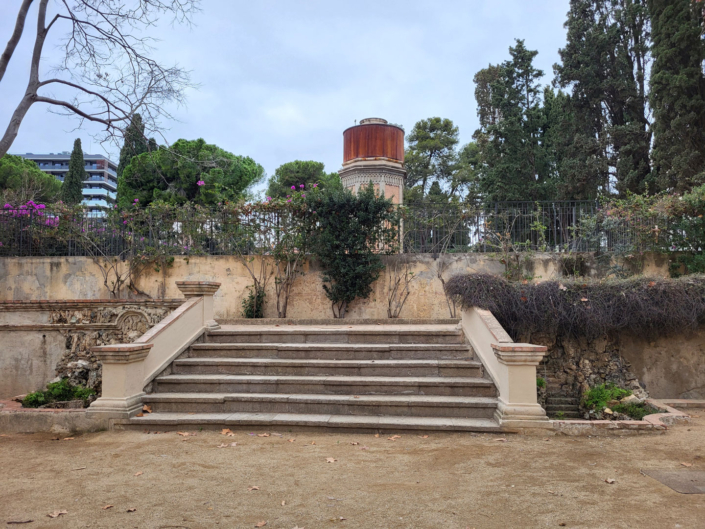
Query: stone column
[518,406]
[204,289]
[123,379]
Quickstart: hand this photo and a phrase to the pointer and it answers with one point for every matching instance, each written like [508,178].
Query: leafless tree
[105,67]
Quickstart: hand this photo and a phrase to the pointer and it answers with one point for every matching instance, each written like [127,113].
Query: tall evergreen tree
[134,144]
[72,188]
[678,94]
[515,164]
[605,118]
[431,153]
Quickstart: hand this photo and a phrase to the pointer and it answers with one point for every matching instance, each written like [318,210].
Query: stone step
[553,408]
[565,415]
[393,405]
[562,400]
[277,366]
[351,385]
[284,421]
[332,351]
[377,334]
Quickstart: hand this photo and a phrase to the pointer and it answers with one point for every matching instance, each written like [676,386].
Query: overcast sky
[281,79]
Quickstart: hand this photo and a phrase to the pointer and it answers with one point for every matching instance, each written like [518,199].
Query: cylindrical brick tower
[374,151]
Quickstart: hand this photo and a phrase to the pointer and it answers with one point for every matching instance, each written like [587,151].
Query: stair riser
[340,354]
[325,408]
[332,389]
[376,371]
[553,408]
[292,337]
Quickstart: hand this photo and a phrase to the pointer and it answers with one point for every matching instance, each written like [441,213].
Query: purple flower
[124,222]
[315,185]
[137,200]
[303,195]
[200,183]
[8,206]
[293,187]
[289,200]
[301,186]
[269,198]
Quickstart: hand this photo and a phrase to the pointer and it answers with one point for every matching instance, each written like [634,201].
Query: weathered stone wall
[80,278]
[43,340]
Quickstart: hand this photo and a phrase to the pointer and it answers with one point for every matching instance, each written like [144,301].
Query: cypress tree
[72,188]
[135,143]
[677,94]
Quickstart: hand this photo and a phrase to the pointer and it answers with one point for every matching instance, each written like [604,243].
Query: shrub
[647,306]
[57,392]
[353,230]
[253,305]
[540,382]
[597,397]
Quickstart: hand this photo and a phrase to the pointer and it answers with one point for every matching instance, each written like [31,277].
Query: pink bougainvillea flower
[200,183]
[303,195]
[293,187]
[315,185]
[289,200]
[137,200]
[301,186]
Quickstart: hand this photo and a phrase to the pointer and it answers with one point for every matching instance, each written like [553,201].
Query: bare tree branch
[106,62]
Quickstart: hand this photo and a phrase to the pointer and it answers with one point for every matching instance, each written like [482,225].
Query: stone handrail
[128,368]
[511,366]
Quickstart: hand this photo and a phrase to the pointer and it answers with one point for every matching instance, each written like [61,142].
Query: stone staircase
[362,377]
[558,404]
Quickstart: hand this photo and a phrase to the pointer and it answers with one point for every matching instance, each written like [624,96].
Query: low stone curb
[654,423]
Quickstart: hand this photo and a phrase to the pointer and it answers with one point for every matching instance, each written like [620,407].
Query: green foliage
[431,153]
[72,188]
[134,143]
[636,411]
[678,94]
[515,163]
[300,172]
[604,129]
[57,392]
[22,180]
[351,234]
[597,397]
[540,382]
[253,304]
[172,175]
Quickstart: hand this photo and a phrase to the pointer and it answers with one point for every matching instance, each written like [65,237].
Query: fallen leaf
[252,488]
[56,439]
[283,503]
[262,435]
[584,299]
[343,518]
[610,481]
[330,460]
[226,431]
[108,507]
[19,521]
[423,436]
[140,415]
[562,287]
[562,524]
[652,283]
[184,434]
[138,474]
[291,440]
[546,439]
[261,524]
[687,464]
[376,435]
[297,527]
[56,514]
[313,442]
[79,468]
[131,510]
[226,445]
[551,492]
[354,443]
[69,438]
[147,408]
[356,396]
[364,448]
[502,440]
[393,437]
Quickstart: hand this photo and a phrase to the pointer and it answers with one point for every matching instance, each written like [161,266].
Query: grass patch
[57,392]
[540,382]
[636,411]
[598,397]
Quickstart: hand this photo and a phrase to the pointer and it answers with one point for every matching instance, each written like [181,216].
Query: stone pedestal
[204,289]
[518,406]
[123,379]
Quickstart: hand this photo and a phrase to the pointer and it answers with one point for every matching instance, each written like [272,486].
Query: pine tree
[606,127]
[431,153]
[72,188]
[678,94]
[515,163]
[135,143]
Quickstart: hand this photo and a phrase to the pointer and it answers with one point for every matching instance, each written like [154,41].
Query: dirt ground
[445,480]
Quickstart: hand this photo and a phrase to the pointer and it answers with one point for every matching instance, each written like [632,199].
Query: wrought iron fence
[424,228]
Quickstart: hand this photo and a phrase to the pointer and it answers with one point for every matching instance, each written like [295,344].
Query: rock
[19,398]
[631,399]
[607,411]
